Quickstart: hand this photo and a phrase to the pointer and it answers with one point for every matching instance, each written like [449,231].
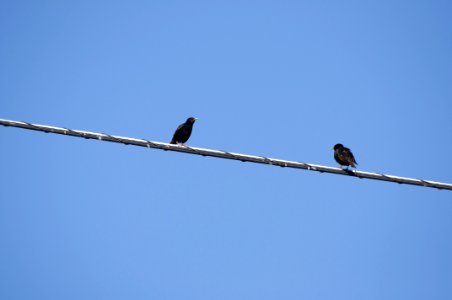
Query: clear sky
[82,219]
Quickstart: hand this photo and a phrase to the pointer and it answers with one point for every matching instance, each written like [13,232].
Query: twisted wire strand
[226,155]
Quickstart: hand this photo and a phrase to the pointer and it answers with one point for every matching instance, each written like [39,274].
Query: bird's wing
[180,126]
[176,133]
[349,155]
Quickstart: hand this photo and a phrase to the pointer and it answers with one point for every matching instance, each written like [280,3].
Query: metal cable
[226,155]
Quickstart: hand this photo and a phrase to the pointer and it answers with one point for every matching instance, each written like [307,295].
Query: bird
[183,131]
[344,156]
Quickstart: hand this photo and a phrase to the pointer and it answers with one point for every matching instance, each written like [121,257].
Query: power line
[224,154]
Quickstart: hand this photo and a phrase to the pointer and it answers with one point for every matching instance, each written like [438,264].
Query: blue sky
[82,219]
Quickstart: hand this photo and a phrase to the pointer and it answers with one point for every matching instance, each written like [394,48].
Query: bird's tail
[173,142]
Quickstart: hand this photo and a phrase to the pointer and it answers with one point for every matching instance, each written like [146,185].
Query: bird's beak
[196,119]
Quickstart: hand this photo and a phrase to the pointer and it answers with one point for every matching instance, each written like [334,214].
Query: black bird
[183,132]
[344,156]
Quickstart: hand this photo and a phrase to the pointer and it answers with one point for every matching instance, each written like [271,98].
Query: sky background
[83,219]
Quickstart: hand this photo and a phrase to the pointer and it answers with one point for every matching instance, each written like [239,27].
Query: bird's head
[338,146]
[191,120]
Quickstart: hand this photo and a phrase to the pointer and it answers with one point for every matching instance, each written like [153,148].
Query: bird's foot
[349,171]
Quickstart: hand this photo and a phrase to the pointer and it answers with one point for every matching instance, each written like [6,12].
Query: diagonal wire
[225,154]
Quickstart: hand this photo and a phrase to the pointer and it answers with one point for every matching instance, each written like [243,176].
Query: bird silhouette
[344,156]
[183,132]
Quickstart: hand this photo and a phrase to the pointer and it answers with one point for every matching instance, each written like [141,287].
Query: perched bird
[344,156]
[183,132]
